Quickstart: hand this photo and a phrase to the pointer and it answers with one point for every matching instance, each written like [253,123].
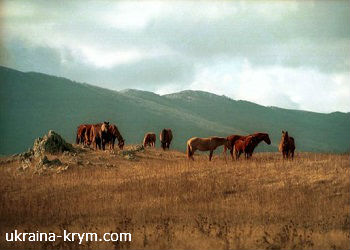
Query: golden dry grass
[167,202]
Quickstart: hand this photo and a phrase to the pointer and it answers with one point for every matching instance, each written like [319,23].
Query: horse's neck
[256,141]
[118,135]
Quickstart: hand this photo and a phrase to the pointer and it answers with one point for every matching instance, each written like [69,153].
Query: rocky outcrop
[51,143]
[130,153]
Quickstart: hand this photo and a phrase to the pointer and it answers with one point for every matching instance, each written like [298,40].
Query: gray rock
[44,163]
[51,143]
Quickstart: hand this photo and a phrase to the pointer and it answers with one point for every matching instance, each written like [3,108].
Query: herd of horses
[104,133]
[99,134]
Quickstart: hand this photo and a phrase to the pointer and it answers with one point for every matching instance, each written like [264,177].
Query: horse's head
[105,126]
[121,144]
[267,139]
[284,137]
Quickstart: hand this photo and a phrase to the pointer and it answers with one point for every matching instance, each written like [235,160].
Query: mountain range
[33,103]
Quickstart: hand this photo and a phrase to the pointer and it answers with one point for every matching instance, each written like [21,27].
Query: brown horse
[99,134]
[247,144]
[81,131]
[165,137]
[287,145]
[205,144]
[113,133]
[232,140]
[149,139]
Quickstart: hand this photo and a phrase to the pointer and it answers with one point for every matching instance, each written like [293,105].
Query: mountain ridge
[42,102]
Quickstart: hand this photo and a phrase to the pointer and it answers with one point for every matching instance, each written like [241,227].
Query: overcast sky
[291,54]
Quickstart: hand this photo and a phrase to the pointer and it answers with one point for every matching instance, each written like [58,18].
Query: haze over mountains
[33,103]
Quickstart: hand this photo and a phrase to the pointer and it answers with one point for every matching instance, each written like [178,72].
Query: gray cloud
[161,46]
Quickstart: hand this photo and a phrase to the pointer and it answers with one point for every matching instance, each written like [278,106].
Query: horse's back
[291,143]
[170,134]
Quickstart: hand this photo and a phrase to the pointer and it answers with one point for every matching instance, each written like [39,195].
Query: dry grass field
[167,202]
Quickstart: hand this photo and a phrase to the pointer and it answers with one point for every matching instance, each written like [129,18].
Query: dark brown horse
[99,134]
[165,137]
[149,139]
[232,140]
[247,144]
[287,145]
[205,144]
[113,133]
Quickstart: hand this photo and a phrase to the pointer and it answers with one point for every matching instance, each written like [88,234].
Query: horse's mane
[116,133]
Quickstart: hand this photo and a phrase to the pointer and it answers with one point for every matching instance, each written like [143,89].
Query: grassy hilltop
[168,202]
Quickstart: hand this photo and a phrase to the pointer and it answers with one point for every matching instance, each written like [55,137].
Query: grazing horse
[149,139]
[113,133]
[232,139]
[165,137]
[247,144]
[205,144]
[287,145]
[99,134]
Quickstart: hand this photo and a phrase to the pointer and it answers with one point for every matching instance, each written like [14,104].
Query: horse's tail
[144,141]
[189,151]
[77,140]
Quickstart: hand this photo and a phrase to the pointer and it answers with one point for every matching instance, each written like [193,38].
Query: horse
[287,145]
[205,144]
[149,139]
[165,137]
[99,134]
[247,144]
[81,131]
[232,139]
[113,133]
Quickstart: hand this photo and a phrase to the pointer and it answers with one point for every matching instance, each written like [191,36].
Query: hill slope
[33,103]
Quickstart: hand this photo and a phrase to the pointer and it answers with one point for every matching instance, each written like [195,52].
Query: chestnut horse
[99,134]
[287,145]
[81,131]
[113,133]
[232,139]
[205,144]
[247,144]
[149,139]
[80,134]
[165,137]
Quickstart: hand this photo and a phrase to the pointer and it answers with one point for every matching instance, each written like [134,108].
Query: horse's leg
[231,153]
[103,143]
[292,154]
[210,154]
[191,155]
[95,142]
